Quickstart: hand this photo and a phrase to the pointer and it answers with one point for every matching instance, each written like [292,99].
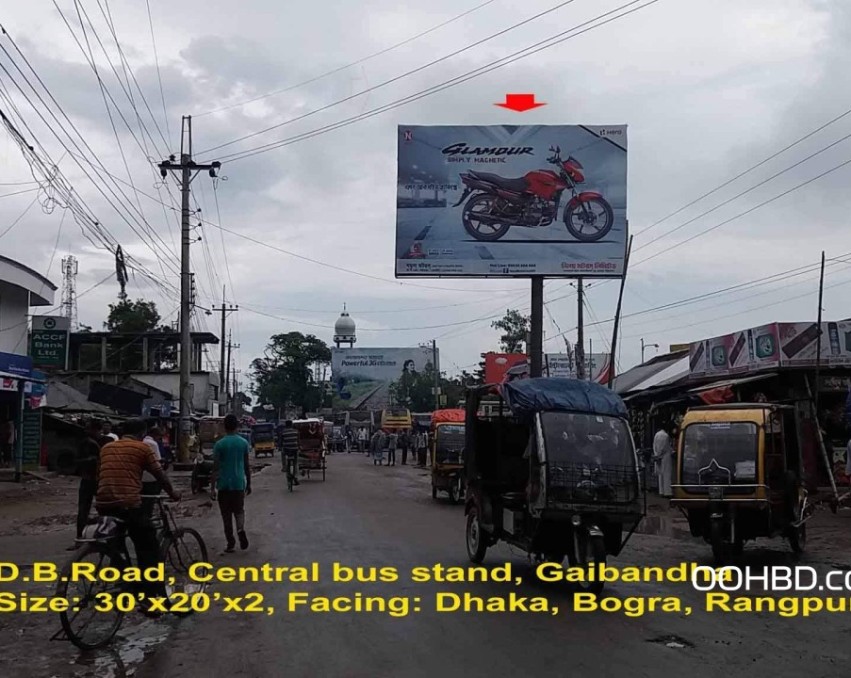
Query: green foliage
[414,390]
[132,316]
[284,375]
[514,328]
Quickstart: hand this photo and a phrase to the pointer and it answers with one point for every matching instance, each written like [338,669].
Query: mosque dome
[344,329]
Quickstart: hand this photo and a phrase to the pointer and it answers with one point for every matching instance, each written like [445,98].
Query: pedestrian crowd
[386,443]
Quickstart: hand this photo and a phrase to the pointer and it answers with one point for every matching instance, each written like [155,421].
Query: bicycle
[180,547]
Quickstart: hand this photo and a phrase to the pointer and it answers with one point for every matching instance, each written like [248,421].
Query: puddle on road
[123,656]
[672,641]
[662,526]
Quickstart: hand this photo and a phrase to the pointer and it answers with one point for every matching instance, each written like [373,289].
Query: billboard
[555,365]
[511,201]
[771,346]
[497,364]
[357,373]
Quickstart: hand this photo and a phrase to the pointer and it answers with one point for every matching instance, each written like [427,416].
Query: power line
[746,191]
[22,215]
[349,65]
[394,79]
[159,74]
[746,212]
[748,170]
[521,54]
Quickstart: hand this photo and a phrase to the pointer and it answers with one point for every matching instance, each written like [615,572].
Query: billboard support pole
[436,374]
[580,330]
[612,361]
[536,327]
[818,341]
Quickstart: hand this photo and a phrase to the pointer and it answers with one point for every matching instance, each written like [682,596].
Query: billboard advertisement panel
[358,372]
[771,346]
[555,365]
[511,201]
[497,364]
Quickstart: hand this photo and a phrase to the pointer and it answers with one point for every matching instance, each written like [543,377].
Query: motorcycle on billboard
[495,204]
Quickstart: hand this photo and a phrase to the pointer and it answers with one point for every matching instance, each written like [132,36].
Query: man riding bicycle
[119,494]
[289,450]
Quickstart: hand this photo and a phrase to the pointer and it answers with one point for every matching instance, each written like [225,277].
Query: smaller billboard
[497,364]
[771,346]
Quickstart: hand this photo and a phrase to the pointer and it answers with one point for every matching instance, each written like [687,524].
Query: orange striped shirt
[120,473]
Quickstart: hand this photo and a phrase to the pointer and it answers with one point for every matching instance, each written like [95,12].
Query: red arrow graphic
[520,102]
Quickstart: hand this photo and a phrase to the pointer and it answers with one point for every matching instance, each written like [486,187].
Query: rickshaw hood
[528,396]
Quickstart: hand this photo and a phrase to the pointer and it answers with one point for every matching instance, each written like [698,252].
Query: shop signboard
[771,346]
[511,201]
[14,365]
[49,341]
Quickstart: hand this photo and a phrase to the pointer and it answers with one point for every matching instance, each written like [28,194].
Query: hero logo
[464,149]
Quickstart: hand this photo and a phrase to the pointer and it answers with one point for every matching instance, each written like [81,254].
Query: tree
[132,316]
[414,390]
[283,377]
[514,328]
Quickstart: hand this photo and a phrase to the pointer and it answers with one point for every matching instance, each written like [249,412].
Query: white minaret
[344,330]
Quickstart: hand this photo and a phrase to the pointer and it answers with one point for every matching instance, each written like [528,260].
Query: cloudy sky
[708,88]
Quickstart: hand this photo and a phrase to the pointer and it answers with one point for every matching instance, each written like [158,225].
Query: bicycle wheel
[85,626]
[181,549]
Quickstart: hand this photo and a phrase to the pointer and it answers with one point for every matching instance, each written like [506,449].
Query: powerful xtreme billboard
[511,201]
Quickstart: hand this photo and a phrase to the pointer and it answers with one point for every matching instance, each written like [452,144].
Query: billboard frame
[513,276]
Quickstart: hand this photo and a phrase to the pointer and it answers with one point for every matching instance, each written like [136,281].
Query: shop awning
[719,392]
[732,382]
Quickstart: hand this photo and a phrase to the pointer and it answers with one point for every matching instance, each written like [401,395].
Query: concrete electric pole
[188,170]
[580,330]
[224,371]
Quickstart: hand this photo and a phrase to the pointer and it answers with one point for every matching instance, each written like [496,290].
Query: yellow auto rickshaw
[447,453]
[739,476]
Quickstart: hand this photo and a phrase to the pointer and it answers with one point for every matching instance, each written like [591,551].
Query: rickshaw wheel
[476,540]
[798,538]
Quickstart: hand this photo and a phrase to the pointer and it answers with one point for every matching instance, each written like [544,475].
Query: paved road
[370,516]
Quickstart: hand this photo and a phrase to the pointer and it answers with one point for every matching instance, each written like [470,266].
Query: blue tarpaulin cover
[526,396]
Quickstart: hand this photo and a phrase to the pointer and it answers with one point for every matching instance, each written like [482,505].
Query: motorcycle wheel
[601,223]
[485,203]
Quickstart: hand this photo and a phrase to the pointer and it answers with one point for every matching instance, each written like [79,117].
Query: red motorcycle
[532,201]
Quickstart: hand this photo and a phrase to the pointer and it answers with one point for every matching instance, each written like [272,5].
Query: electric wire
[339,69]
[391,80]
[577,30]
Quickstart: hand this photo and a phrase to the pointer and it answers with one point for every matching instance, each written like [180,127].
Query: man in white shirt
[151,485]
[663,456]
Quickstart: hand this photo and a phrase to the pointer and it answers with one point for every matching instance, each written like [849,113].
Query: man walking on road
[405,443]
[119,494]
[663,455]
[392,442]
[289,449]
[231,481]
[88,456]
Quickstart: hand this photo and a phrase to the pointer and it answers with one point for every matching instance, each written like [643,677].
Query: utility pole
[818,341]
[224,371]
[646,346]
[436,374]
[580,331]
[536,328]
[188,170]
[231,346]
